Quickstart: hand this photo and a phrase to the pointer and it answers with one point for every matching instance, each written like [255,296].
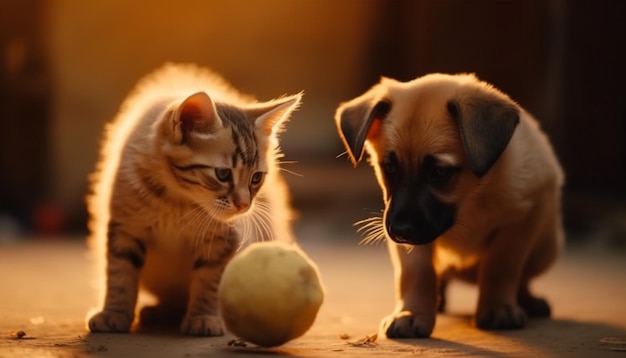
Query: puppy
[470,184]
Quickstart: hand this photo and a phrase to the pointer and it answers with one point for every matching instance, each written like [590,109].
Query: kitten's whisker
[187,214]
[266,214]
[279,165]
[194,218]
[248,228]
[211,225]
[290,172]
[245,228]
[187,218]
[280,162]
[205,223]
[262,221]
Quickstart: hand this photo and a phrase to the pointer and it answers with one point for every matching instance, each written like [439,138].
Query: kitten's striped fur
[188,169]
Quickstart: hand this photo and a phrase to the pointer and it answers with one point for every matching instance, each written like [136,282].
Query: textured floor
[46,290]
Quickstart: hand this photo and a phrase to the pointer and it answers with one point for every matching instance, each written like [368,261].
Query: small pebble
[18,334]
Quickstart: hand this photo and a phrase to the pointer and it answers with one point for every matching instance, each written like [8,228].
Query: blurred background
[66,65]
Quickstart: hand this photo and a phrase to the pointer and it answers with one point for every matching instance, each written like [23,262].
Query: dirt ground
[46,291]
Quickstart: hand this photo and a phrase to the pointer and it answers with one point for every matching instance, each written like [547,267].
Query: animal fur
[472,191]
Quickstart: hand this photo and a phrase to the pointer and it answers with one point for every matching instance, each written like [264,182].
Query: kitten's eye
[223,174]
[257,177]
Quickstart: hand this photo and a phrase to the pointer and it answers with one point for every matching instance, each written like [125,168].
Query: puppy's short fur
[470,184]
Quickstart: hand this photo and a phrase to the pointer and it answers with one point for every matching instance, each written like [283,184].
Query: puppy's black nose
[402,233]
[417,231]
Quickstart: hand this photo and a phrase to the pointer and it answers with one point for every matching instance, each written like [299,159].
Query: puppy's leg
[442,287]
[543,254]
[416,292]
[167,311]
[533,306]
[500,275]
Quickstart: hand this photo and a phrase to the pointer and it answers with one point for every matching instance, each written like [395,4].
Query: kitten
[188,170]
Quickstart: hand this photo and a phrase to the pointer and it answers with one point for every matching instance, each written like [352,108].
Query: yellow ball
[270,293]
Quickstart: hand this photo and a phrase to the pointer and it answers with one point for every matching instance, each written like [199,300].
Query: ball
[270,293]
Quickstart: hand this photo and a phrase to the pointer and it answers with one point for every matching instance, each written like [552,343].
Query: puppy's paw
[535,307]
[441,304]
[202,325]
[405,324]
[502,317]
[110,322]
[159,314]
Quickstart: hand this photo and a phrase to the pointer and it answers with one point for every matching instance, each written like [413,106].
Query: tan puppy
[470,184]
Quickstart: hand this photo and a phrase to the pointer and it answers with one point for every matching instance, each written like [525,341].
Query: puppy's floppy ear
[355,120]
[486,123]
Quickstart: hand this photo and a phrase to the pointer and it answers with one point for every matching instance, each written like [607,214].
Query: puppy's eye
[257,178]
[442,174]
[223,174]
[390,164]
[390,168]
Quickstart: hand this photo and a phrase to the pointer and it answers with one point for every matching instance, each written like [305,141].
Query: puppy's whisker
[372,230]
[375,237]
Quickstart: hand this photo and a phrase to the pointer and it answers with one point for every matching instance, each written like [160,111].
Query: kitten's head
[219,154]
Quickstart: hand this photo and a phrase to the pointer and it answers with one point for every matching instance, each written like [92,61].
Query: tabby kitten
[188,170]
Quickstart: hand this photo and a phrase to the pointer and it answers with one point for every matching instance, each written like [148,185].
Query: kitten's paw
[503,317]
[405,324]
[110,322]
[202,325]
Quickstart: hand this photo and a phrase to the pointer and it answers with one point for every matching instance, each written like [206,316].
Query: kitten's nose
[241,205]
[241,200]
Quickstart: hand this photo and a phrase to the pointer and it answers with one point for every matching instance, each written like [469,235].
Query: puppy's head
[430,142]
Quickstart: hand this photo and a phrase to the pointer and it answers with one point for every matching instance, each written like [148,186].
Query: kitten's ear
[195,114]
[270,116]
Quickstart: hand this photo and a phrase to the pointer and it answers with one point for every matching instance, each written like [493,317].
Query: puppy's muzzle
[417,222]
